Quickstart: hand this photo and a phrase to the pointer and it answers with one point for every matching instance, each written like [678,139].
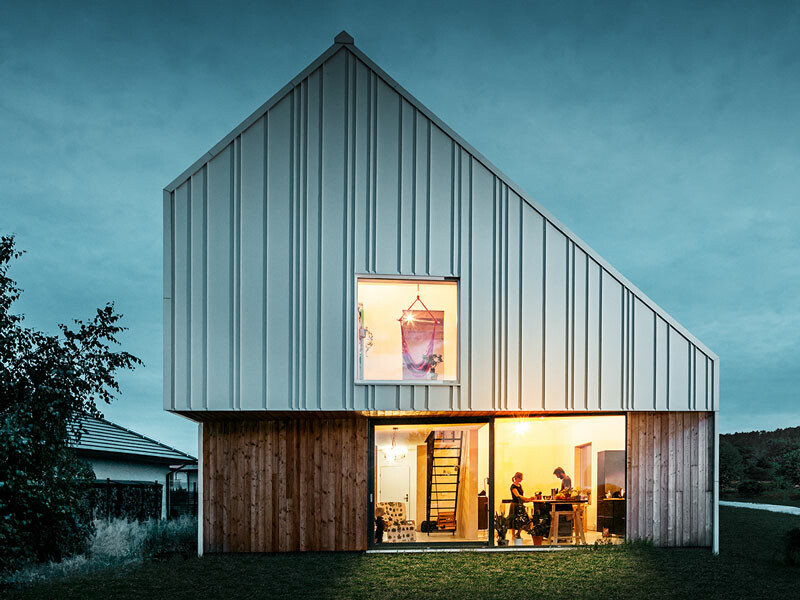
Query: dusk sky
[666,135]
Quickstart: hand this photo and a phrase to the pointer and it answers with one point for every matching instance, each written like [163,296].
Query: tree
[731,465]
[790,466]
[47,383]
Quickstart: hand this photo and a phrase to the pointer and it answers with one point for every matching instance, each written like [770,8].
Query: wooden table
[577,519]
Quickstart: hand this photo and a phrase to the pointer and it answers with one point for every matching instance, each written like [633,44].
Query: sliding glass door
[429,483]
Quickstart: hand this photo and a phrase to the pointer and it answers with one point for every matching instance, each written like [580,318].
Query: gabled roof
[102,436]
[345,41]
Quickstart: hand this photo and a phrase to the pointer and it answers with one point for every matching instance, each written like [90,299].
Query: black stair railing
[444,475]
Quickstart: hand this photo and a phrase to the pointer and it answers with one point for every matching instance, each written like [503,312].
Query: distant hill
[764,444]
[767,457]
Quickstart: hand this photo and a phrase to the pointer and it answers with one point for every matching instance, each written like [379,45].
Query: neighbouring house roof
[101,436]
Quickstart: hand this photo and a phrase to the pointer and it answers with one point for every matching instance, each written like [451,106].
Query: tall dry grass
[119,542]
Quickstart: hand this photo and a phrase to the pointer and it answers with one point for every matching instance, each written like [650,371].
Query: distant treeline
[752,457]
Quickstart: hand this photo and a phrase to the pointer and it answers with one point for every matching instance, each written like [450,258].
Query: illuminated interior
[407,330]
[587,448]
[412,473]
[418,468]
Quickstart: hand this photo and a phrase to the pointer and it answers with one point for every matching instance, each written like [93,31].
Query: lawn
[748,567]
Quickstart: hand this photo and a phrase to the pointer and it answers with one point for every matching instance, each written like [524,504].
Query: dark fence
[181,501]
[132,500]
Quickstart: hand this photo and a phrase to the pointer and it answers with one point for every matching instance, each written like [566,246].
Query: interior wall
[537,446]
[384,303]
[409,462]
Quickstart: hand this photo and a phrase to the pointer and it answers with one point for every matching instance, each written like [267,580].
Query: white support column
[715,534]
[199,489]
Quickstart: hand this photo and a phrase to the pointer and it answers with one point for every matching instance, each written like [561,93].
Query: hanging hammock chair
[422,367]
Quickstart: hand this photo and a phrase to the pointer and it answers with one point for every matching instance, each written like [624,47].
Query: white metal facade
[344,173]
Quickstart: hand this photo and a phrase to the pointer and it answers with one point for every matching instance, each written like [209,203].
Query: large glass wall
[431,483]
[591,453]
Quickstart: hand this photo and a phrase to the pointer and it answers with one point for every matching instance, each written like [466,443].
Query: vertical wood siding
[344,175]
[670,477]
[284,485]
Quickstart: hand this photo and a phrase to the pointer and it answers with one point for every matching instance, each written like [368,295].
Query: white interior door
[395,485]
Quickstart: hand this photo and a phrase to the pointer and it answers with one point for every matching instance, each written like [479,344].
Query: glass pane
[407,330]
[431,483]
[591,453]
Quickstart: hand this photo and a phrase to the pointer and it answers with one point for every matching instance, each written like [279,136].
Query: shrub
[751,488]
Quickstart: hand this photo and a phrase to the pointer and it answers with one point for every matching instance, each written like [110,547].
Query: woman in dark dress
[518,500]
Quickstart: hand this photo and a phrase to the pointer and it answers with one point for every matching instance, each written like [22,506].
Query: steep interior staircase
[444,475]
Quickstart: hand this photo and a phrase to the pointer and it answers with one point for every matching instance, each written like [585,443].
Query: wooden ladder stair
[444,475]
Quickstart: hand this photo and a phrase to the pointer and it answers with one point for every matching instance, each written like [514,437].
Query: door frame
[371,491]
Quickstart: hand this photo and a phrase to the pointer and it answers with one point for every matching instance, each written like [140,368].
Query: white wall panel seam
[544,310]
[655,361]
[232,271]
[668,357]
[428,246]
[265,274]
[506,358]
[452,207]
[188,401]
[302,286]
[600,342]
[348,268]
[237,321]
[571,246]
[204,287]
[521,316]
[569,299]
[352,240]
[320,237]
[586,340]
[469,356]
[632,400]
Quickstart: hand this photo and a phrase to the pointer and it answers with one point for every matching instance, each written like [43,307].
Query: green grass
[748,567]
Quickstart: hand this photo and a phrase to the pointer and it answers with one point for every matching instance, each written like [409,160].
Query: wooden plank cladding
[285,485]
[670,477]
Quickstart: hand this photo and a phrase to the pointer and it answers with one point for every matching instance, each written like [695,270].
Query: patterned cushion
[398,529]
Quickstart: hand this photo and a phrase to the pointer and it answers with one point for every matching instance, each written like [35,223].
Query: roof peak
[344,38]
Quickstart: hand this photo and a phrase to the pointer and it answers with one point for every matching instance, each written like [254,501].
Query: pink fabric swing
[422,367]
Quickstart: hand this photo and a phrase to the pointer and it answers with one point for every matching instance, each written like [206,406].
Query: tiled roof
[100,435]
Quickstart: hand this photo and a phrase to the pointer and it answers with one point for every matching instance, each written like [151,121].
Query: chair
[398,528]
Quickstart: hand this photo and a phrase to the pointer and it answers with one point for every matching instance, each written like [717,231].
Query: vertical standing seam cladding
[344,175]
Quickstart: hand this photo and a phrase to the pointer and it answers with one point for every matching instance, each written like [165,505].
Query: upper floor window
[407,330]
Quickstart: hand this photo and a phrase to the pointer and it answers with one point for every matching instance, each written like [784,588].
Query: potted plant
[540,528]
[501,527]
[433,360]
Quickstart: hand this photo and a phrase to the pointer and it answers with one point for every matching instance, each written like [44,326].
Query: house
[368,319]
[122,459]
